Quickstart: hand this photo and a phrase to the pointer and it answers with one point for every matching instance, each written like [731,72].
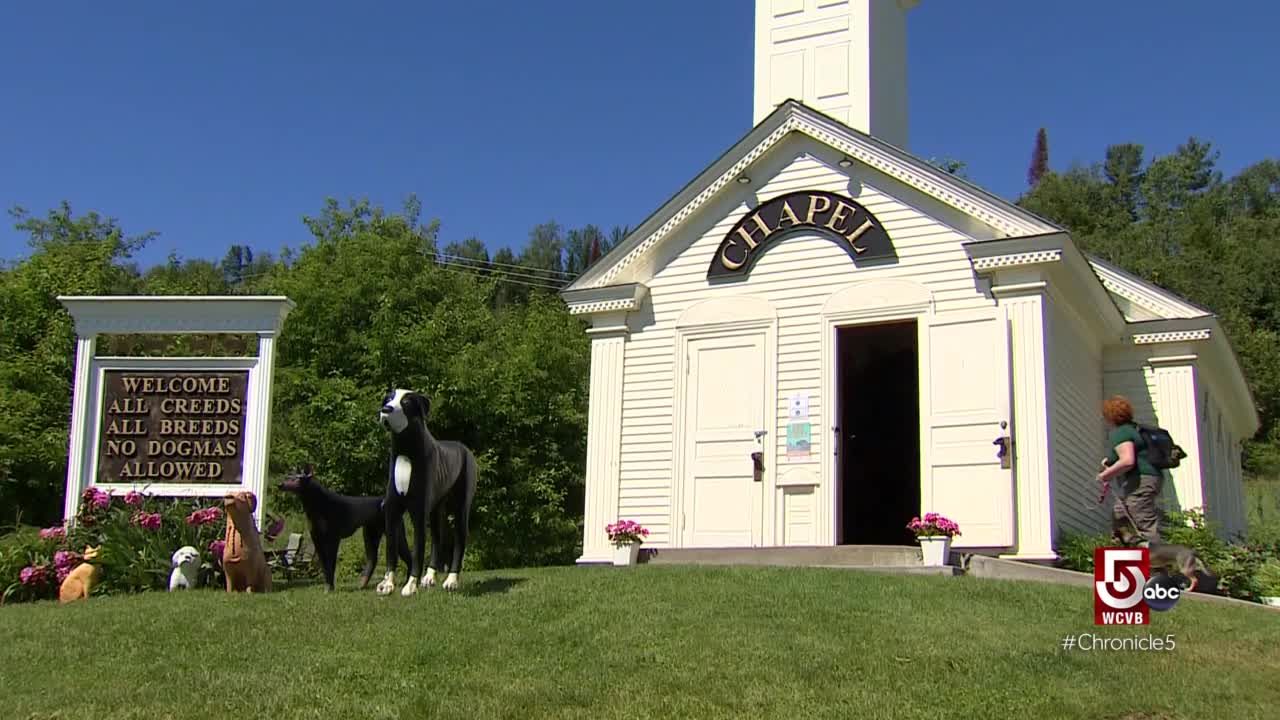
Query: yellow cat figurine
[80,581]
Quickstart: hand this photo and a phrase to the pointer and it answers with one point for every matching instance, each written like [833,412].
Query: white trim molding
[604,444]
[1171,337]
[614,298]
[178,314]
[128,314]
[1017,260]
[794,117]
[1151,298]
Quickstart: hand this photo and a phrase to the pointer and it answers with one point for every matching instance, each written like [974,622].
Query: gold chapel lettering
[852,226]
[173,426]
[853,236]
[836,217]
[787,212]
[814,209]
[746,234]
[724,257]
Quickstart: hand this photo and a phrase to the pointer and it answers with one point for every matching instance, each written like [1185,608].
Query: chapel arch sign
[171,426]
[835,216]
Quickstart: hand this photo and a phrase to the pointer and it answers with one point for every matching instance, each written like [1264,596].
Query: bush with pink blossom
[136,533]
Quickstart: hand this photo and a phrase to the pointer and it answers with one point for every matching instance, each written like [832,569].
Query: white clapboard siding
[796,276]
[1136,384]
[1223,488]
[1078,432]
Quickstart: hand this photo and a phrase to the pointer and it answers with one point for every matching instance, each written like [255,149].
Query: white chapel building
[822,336]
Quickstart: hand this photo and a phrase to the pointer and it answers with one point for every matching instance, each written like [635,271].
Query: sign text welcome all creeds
[172,427]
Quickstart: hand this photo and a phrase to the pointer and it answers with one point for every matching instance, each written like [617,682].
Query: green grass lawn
[650,641]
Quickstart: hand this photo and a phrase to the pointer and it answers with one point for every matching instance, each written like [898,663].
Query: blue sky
[222,123]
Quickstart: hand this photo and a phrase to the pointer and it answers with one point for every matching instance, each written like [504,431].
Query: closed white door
[969,363]
[724,407]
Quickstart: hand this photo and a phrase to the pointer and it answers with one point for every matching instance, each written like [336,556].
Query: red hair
[1117,410]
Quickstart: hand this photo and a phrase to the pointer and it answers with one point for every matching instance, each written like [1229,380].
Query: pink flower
[205,516]
[34,575]
[133,497]
[932,525]
[62,573]
[146,520]
[65,559]
[53,533]
[216,547]
[96,499]
[626,531]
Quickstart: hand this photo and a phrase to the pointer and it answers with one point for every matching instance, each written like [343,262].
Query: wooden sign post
[180,426]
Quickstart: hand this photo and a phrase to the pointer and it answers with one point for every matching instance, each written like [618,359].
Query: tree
[510,383]
[470,253]
[236,263]
[85,255]
[1039,159]
[545,249]
[595,253]
[1177,223]
[949,165]
[580,246]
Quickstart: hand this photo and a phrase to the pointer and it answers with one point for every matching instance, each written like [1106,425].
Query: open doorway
[878,436]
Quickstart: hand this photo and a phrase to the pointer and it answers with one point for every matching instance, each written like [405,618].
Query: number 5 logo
[1123,571]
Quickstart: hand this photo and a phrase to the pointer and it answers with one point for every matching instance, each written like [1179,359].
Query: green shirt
[1129,433]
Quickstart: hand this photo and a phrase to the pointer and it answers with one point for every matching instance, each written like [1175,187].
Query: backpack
[1162,452]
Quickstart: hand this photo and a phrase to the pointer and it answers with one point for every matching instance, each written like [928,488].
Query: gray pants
[1143,517]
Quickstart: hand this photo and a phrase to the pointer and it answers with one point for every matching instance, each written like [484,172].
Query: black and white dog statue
[432,479]
[334,517]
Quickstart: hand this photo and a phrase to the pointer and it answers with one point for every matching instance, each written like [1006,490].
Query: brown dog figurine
[80,581]
[243,561]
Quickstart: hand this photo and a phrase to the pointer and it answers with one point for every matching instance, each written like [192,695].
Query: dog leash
[1124,507]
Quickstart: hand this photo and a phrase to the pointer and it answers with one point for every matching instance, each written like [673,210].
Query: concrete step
[949,570]
[861,556]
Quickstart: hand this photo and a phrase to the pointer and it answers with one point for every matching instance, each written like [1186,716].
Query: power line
[461,258]
[497,273]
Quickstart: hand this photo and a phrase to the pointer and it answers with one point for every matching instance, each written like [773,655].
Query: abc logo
[1161,592]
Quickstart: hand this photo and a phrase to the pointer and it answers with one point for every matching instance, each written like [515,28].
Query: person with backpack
[1139,479]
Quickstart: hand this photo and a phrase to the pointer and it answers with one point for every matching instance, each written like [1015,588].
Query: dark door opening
[878,440]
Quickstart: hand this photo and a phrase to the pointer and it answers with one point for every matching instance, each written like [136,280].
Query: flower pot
[1270,600]
[935,549]
[626,554]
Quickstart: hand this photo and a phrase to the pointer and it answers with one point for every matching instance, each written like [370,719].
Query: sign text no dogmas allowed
[172,427]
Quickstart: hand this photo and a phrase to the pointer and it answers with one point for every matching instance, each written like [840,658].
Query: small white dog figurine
[186,563]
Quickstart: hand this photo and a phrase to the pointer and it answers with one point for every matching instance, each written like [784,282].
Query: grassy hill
[651,641]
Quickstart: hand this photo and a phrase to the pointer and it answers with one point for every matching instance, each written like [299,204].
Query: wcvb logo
[1124,592]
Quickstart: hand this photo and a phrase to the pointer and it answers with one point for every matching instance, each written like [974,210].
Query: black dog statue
[432,479]
[334,517]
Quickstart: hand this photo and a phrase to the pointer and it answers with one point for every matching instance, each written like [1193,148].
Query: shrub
[1268,577]
[1237,566]
[1076,550]
[1234,564]
[136,536]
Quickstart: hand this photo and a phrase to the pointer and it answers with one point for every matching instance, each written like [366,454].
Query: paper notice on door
[799,407]
[797,440]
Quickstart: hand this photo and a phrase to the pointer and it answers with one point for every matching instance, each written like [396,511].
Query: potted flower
[934,534]
[1269,582]
[626,536]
